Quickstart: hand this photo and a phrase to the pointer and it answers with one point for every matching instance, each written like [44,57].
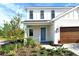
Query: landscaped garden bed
[44,52]
[32,48]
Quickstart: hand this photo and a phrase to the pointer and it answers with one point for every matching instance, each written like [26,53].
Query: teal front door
[43,34]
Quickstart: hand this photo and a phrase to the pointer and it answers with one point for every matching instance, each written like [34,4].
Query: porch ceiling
[36,22]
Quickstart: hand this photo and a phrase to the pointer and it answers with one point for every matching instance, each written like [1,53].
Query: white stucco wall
[47,12]
[37,32]
[69,20]
[52,31]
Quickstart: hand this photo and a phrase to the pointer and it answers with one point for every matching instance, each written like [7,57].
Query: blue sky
[7,11]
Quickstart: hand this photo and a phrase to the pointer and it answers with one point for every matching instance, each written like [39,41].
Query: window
[31,14]
[30,32]
[42,14]
[52,14]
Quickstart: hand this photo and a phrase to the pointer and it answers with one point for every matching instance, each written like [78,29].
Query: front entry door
[43,34]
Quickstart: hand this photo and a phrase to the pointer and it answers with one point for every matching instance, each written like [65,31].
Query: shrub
[50,42]
[11,53]
[50,52]
[42,48]
[34,54]
[62,52]
[59,51]
[30,42]
[33,43]
[1,51]
[5,49]
[34,51]
[43,53]
[19,45]
[37,45]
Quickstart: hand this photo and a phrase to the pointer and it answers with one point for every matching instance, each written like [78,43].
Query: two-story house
[57,24]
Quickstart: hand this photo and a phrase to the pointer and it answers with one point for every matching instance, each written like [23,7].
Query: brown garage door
[69,35]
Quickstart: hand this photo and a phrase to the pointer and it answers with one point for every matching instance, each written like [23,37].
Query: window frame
[31,33]
[42,14]
[52,14]
[31,14]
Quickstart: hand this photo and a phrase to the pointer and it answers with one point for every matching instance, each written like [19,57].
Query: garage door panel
[69,35]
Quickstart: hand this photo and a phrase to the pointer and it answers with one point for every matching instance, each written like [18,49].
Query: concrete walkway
[74,47]
[48,46]
[2,42]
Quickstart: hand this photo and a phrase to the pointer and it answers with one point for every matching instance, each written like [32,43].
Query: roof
[35,20]
[47,7]
[48,4]
[56,18]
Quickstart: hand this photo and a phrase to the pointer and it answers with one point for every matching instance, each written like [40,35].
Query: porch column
[25,34]
[56,35]
[55,39]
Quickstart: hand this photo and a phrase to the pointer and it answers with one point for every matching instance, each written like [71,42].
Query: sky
[8,10]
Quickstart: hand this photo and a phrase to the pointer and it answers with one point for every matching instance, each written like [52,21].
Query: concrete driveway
[74,47]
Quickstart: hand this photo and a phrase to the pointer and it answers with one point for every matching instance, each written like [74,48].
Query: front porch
[38,30]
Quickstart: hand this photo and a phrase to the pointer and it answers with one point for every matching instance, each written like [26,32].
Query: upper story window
[52,14]
[31,14]
[42,14]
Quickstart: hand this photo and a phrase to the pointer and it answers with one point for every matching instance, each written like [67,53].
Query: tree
[12,30]
[17,32]
[1,33]
[5,29]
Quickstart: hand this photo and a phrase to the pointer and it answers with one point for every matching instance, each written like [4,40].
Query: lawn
[2,38]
